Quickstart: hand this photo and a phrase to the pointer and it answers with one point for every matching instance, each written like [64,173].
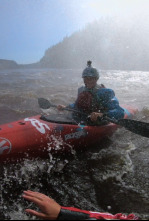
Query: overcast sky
[29,27]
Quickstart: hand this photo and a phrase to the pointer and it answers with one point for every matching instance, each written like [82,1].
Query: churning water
[112,177]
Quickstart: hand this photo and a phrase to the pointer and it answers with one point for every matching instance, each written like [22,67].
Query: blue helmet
[90,71]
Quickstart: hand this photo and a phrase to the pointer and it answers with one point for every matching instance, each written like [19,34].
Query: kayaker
[94,99]
[51,210]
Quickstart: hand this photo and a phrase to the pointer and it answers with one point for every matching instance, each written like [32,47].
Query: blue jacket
[109,103]
[104,99]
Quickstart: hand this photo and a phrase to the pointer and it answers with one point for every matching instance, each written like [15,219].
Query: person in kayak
[94,100]
[51,210]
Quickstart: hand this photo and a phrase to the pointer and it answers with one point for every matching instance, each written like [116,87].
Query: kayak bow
[38,135]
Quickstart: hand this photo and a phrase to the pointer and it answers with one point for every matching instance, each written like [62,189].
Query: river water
[112,177]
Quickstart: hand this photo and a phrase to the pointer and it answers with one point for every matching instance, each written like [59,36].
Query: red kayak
[39,135]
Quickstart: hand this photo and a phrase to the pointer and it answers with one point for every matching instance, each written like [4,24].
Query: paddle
[134,126]
[45,104]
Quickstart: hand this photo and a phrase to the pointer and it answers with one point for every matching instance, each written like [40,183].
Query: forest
[111,43]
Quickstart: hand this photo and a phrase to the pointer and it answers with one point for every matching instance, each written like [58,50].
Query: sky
[29,27]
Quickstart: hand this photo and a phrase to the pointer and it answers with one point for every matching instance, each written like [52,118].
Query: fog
[118,43]
[41,30]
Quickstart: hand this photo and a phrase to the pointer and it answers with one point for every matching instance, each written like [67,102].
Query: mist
[113,37]
[111,43]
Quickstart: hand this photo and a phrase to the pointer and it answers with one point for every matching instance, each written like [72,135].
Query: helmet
[90,71]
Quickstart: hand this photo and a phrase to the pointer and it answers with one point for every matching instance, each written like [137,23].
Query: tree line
[111,43]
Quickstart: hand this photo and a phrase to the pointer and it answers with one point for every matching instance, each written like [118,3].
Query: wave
[110,177]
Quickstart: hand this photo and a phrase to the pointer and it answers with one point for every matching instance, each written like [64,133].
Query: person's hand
[94,116]
[61,107]
[49,208]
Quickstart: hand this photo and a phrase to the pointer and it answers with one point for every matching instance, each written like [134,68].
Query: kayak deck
[37,137]
[40,135]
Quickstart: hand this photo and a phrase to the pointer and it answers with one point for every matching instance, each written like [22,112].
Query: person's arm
[71,213]
[95,115]
[51,210]
[117,113]
[61,107]
[71,106]
[110,104]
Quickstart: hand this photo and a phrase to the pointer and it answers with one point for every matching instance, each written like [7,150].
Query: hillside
[8,64]
[109,43]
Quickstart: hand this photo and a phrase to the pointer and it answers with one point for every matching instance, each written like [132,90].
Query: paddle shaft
[141,128]
[137,127]
[69,109]
[45,104]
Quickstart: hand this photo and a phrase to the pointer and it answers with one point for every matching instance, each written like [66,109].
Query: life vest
[102,99]
[86,102]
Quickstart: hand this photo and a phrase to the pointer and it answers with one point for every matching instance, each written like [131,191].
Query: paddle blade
[44,103]
[134,126]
